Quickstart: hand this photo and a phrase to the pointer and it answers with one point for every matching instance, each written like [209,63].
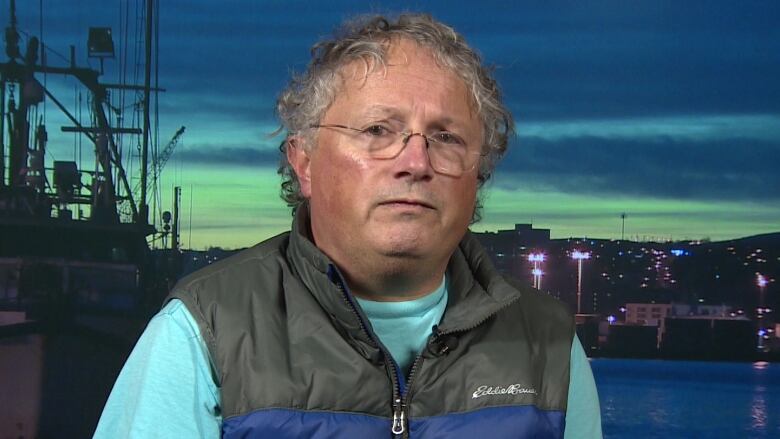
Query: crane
[162,159]
[166,153]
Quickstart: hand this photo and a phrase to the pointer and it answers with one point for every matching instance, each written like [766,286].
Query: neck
[391,286]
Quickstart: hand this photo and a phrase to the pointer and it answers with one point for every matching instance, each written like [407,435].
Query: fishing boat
[84,260]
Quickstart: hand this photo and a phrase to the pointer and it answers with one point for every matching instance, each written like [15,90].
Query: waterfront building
[647,314]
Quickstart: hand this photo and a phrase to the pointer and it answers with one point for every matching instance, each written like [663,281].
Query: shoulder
[542,305]
[232,292]
[543,317]
[540,310]
[267,254]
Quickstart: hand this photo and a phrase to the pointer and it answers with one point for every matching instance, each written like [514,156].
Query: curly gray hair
[308,96]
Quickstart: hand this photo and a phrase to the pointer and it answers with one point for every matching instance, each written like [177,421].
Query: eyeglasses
[448,153]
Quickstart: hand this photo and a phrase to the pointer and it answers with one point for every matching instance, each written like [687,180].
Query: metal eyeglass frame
[404,136]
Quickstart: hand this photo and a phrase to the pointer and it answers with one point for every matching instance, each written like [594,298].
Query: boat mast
[143,211]
[11,41]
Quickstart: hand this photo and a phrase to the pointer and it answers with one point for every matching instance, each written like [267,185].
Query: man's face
[399,210]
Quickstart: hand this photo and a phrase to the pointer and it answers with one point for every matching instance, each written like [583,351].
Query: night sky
[667,111]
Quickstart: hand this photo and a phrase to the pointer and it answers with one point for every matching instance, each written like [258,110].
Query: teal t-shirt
[404,327]
[170,367]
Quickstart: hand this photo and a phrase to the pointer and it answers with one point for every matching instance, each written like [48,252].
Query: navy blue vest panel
[294,424]
[494,422]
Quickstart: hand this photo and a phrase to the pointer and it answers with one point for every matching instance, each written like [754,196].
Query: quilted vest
[294,356]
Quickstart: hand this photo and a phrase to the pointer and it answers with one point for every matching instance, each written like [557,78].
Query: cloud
[725,169]
[616,59]
[688,127]
[217,156]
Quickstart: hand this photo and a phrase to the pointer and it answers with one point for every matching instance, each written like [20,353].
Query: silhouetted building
[510,248]
[632,341]
[708,338]
[523,235]
[588,332]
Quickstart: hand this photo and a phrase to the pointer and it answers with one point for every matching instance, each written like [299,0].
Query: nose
[414,161]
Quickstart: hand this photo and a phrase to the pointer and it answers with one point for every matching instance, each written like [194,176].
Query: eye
[448,138]
[376,131]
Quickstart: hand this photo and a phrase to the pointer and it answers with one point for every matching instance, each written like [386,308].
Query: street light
[579,257]
[537,259]
[537,272]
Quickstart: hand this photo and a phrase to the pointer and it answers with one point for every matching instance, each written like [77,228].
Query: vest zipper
[399,418]
[398,425]
[407,394]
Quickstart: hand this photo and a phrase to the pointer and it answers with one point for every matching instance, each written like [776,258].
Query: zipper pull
[399,416]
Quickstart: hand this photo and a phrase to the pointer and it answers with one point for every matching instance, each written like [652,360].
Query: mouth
[407,203]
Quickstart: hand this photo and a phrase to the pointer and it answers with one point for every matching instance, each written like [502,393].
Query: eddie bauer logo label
[514,389]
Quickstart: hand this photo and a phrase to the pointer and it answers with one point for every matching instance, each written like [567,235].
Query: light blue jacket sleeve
[165,389]
[583,415]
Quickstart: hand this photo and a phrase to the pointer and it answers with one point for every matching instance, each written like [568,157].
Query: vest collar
[476,289]
[322,279]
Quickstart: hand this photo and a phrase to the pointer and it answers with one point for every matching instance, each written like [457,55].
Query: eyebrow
[382,110]
[388,111]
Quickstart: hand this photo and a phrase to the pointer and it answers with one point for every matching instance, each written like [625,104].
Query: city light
[576,254]
[761,280]
[760,342]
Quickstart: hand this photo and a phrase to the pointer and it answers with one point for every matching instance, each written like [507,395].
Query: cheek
[466,196]
[340,181]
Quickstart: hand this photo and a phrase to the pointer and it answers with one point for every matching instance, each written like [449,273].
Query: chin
[404,241]
[408,249]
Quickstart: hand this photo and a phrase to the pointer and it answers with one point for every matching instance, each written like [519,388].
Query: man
[378,315]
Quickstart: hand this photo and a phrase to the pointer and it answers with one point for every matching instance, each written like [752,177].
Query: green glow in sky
[238,206]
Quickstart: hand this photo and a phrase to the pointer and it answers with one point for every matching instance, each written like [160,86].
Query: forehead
[410,80]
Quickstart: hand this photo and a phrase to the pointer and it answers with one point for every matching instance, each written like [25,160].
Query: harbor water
[688,399]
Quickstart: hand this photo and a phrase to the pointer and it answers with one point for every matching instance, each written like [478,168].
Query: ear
[299,159]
